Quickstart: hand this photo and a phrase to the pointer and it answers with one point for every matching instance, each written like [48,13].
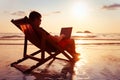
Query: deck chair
[44,44]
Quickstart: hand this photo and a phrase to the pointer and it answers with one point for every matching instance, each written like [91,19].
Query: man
[67,44]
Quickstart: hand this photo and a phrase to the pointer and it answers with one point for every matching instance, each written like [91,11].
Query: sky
[97,16]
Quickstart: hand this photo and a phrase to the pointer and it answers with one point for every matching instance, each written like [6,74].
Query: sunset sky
[97,16]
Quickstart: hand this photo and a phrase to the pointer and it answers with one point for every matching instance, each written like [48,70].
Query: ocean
[99,60]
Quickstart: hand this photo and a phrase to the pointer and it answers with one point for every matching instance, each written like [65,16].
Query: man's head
[35,18]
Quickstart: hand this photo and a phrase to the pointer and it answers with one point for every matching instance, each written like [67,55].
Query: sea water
[99,60]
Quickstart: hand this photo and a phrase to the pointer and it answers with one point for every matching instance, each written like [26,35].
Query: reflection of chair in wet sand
[45,45]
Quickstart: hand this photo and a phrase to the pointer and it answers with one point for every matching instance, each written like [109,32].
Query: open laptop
[66,31]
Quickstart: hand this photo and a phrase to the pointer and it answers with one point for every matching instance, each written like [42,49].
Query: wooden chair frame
[42,51]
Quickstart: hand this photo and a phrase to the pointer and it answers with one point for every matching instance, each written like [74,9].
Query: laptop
[66,31]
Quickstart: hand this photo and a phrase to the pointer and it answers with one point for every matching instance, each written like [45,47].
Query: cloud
[19,13]
[56,12]
[51,13]
[6,12]
[112,7]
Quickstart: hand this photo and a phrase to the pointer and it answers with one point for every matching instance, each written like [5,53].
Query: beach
[100,59]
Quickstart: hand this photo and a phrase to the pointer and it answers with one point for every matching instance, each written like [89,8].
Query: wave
[98,44]
[21,37]
[12,37]
[75,44]
[14,44]
[74,36]
[102,36]
[91,39]
[95,39]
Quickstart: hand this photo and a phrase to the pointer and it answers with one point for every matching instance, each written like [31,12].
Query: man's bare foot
[76,56]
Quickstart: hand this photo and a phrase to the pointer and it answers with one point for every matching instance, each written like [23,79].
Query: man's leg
[70,47]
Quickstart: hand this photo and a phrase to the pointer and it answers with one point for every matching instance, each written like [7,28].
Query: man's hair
[33,15]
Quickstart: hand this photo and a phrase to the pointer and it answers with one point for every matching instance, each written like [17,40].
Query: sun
[80,9]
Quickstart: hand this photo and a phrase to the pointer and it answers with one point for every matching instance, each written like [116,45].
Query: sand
[58,70]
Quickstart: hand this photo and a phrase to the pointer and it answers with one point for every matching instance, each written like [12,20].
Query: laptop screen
[66,31]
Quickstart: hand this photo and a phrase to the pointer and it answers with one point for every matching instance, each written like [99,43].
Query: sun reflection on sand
[80,65]
[79,70]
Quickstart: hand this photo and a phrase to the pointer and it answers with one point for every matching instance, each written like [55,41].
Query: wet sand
[58,70]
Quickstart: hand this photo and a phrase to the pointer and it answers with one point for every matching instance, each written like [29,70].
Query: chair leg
[37,65]
[40,62]
[48,65]
[18,61]
[25,47]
